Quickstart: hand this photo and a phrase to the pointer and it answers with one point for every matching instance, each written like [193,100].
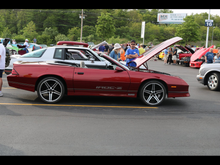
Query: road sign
[208,22]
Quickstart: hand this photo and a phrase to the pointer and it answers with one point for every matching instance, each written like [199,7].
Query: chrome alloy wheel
[212,82]
[50,90]
[153,93]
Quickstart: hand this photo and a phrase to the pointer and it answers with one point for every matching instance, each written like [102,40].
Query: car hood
[155,50]
[199,53]
[97,46]
[184,49]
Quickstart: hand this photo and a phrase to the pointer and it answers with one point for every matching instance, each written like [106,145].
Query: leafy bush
[19,38]
[61,37]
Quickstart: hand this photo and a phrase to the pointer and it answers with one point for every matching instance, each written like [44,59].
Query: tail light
[14,72]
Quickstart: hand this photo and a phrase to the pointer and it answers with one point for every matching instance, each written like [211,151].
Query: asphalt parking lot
[112,125]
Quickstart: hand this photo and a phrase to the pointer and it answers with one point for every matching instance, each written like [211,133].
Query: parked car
[52,80]
[183,57]
[197,59]
[61,53]
[209,74]
[43,45]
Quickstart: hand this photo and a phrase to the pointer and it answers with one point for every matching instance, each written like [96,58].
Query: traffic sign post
[208,23]
[207,35]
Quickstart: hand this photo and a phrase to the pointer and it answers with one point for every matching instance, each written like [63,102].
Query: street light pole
[207,35]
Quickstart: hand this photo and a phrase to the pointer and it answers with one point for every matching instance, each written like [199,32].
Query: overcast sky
[197,11]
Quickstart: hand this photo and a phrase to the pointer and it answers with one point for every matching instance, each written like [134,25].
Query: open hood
[185,49]
[155,50]
[199,53]
[97,46]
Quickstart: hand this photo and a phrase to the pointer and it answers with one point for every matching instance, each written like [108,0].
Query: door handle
[80,72]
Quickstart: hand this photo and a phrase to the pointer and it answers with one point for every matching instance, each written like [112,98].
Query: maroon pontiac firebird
[52,80]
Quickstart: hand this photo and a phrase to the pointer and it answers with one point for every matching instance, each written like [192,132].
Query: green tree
[30,31]
[105,26]
[73,33]
[6,33]
[189,30]
[51,32]
[61,37]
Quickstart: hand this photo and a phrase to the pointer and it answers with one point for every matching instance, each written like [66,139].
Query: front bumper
[200,79]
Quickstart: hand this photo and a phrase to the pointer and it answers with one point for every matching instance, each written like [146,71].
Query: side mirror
[118,69]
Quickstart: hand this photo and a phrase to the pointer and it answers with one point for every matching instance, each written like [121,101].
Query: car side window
[58,54]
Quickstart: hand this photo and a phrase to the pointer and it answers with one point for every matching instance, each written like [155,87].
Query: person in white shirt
[27,45]
[2,66]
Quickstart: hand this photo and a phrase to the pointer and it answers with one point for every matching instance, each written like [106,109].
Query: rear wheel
[213,81]
[50,90]
[152,93]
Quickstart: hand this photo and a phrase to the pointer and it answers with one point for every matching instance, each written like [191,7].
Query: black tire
[152,93]
[50,90]
[213,81]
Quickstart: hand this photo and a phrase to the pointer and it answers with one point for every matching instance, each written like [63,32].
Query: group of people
[210,57]
[124,52]
[170,55]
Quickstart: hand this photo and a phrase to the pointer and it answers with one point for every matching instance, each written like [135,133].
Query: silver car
[209,74]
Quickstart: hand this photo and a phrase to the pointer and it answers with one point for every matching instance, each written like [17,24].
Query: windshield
[115,62]
[35,54]
[96,54]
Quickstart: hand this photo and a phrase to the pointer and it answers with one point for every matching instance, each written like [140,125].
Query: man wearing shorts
[2,66]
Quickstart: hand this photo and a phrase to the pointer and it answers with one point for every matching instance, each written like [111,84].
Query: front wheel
[152,93]
[50,90]
[213,81]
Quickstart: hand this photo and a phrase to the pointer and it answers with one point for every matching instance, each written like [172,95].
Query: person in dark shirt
[106,47]
[209,56]
[101,48]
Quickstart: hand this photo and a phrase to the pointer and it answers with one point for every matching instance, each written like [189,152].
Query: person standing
[122,55]
[2,66]
[102,48]
[165,55]
[141,49]
[174,55]
[34,40]
[209,56]
[111,48]
[170,54]
[27,45]
[131,54]
[106,47]
[115,53]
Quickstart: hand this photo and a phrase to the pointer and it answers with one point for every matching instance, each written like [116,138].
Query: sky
[197,11]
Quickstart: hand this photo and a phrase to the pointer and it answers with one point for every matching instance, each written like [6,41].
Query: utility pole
[81,26]
[207,35]
[82,17]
